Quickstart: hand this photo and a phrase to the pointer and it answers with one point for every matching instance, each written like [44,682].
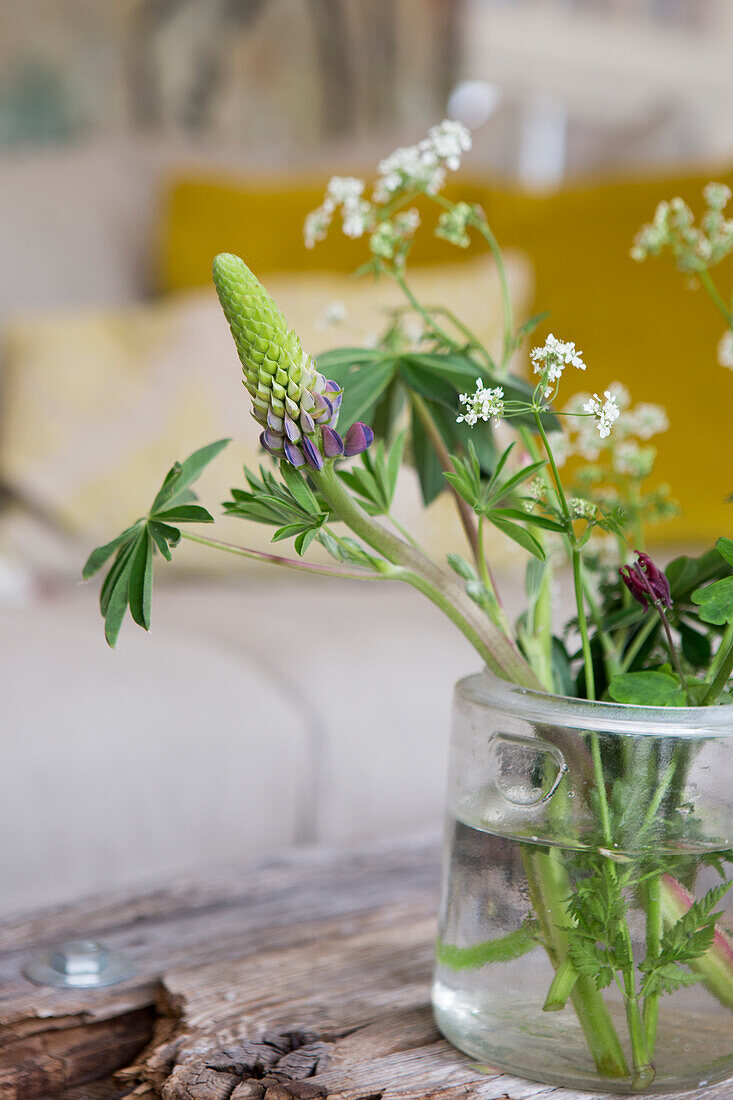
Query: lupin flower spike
[296,406]
[646,582]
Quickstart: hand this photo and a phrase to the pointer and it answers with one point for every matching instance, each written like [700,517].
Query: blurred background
[136,141]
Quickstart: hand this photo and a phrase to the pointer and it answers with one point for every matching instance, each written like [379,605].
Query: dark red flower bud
[646,582]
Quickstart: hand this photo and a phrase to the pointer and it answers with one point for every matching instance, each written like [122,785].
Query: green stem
[590,683]
[506,299]
[423,574]
[654,929]
[429,321]
[540,643]
[468,519]
[648,628]
[465,512]
[291,563]
[576,560]
[405,533]
[473,340]
[550,888]
[611,657]
[643,1068]
[715,295]
[499,614]
[725,643]
[721,679]
[672,649]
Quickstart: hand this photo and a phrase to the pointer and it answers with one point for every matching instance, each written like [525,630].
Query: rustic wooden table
[299,977]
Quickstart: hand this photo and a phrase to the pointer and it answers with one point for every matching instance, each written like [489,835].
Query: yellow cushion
[639,324]
[97,404]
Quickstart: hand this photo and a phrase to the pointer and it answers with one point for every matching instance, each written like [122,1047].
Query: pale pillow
[98,404]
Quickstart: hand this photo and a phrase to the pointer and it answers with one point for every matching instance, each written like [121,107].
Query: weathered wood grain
[299,978]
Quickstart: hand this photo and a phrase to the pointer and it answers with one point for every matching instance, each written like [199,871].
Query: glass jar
[585,916]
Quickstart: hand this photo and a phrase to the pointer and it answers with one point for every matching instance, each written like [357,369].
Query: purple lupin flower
[646,582]
[358,438]
[295,404]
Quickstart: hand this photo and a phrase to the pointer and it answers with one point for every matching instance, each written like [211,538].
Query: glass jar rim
[490,690]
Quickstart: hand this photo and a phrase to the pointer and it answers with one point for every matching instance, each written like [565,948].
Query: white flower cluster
[390,236]
[725,350]
[642,422]
[343,193]
[632,460]
[646,420]
[453,224]
[535,492]
[551,360]
[484,404]
[581,508]
[422,167]
[695,248]
[606,412]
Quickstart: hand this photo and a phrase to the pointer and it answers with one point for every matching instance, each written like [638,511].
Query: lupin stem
[488,640]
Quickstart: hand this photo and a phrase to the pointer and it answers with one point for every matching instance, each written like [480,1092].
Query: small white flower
[605,411]
[536,488]
[631,460]
[449,140]
[316,225]
[581,508]
[357,217]
[343,193]
[484,404]
[453,224]
[344,189]
[551,359]
[423,166]
[717,195]
[390,237]
[645,420]
[725,350]
[622,395]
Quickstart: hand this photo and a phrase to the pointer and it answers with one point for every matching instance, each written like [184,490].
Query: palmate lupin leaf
[375,481]
[377,381]
[486,498]
[129,581]
[289,505]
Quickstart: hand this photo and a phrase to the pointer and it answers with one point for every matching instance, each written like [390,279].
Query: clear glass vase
[585,916]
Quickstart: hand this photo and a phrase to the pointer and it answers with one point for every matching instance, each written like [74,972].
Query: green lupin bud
[290,399]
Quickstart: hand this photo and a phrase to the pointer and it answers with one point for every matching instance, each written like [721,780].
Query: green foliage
[683,943]
[725,549]
[129,582]
[487,497]
[377,382]
[503,949]
[647,688]
[289,505]
[716,601]
[597,946]
[375,481]
[695,646]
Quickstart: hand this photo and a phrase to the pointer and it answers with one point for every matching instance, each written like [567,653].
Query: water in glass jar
[513,911]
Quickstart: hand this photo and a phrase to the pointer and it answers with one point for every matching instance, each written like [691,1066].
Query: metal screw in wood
[79,964]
